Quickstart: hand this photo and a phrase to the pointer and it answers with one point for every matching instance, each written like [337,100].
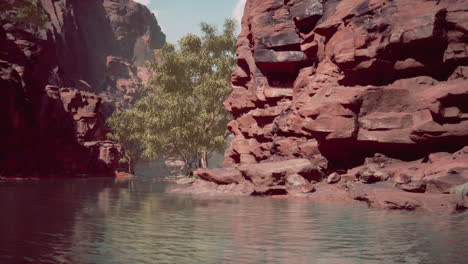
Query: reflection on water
[134,221]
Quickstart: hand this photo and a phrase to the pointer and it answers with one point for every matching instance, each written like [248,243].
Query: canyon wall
[344,80]
[60,81]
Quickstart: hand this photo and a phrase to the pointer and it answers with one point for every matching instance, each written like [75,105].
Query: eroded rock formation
[59,83]
[437,183]
[347,79]
[342,82]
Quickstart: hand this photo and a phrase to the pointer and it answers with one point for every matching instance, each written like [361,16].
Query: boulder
[372,174]
[443,184]
[296,180]
[306,188]
[446,171]
[401,178]
[276,173]
[414,186]
[349,177]
[220,176]
[302,189]
[333,178]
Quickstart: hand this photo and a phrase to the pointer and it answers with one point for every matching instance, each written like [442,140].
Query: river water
[135,221]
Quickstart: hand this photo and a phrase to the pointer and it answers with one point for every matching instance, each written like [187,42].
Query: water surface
[134,221]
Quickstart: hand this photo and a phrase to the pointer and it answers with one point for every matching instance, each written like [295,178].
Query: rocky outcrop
[347,79]
[101,45]
[61,80]
[437,184]
[345,82]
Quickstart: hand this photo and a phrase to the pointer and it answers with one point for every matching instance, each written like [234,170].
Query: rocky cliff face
[59,83]
[348,79]
[350,100]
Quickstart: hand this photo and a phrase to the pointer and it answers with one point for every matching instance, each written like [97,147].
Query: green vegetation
[24,11]
[182,116]
[127,129]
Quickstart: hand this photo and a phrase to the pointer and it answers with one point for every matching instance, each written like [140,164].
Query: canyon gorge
[61,80]
[359,100]
[345,125]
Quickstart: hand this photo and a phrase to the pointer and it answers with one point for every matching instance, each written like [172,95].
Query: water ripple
[101,221]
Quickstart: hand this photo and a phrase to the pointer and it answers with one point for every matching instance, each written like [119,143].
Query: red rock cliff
[348,79]
[60,82]
[353,100]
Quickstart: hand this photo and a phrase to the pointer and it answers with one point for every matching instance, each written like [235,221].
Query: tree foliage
[126,129]
[24,12]
[183,116]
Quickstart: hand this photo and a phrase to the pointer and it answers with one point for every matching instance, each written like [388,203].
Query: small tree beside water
[182,116]
[127,129]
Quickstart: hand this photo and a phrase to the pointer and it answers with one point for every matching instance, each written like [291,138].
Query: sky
[180,17]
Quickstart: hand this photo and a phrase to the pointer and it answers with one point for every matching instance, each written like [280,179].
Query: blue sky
[179,17]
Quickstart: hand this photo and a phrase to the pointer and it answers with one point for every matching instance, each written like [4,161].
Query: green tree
[24,11]
[127,130]
[183,116]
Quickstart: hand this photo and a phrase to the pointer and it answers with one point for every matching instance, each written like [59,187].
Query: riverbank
[378,196]
[438,183]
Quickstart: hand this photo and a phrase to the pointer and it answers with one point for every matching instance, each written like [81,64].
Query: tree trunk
[132,167]
[131,164]
[204,159]
[188,167]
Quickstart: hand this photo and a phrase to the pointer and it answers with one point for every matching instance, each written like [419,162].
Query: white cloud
[143,2]
[238,10]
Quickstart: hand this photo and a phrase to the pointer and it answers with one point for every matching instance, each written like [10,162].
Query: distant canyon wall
[347,79]
[59,83]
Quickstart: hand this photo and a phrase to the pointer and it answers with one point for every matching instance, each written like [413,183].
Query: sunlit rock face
[60,82]
[348,79]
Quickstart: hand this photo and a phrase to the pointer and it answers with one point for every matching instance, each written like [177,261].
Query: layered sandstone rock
[373,92]
[437,184]
[59,83]
[347,79]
